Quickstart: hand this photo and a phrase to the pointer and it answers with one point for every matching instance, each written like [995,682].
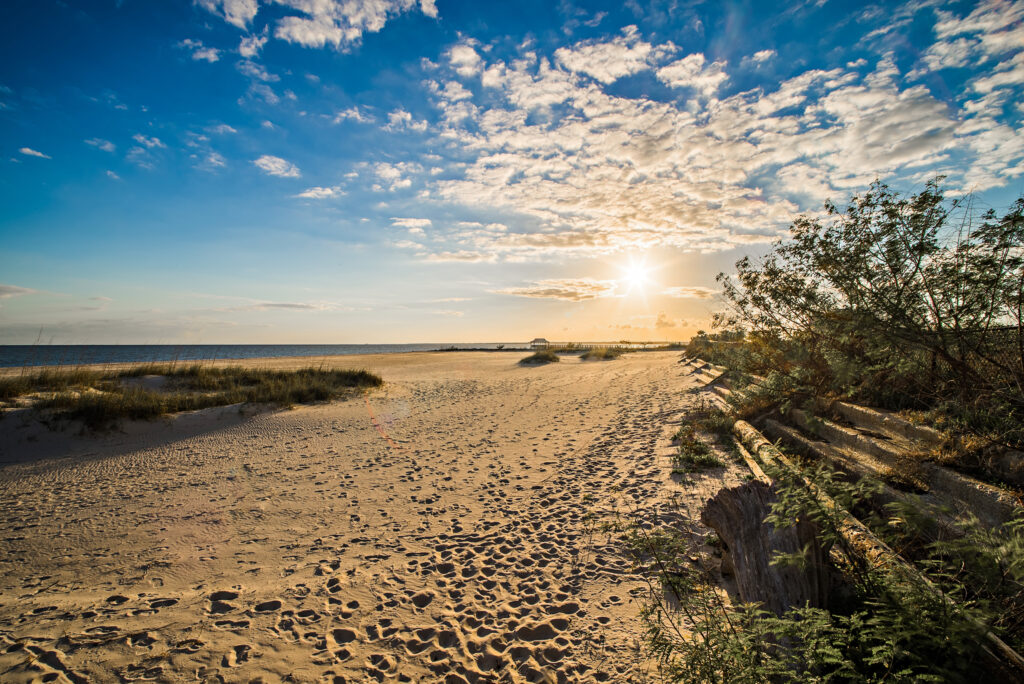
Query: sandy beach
[446,527]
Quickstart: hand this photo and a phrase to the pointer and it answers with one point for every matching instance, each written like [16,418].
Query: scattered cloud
[690,292]
[275,166]
[353,113]
[464,59]
[250,46]
[221,129]
[401,119]
[255,71]
[148,142]
[8,291]
[665,322]
[340,24]
[101,144]
[29,152]
[570,290]
[759,58]
[395,176]
[236,12]
[692,71]
[199,51]
[413,225]
[321,193]
[609,61]
[112,175]
[463,256]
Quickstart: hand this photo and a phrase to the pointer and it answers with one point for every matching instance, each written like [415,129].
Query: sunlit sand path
[446,528]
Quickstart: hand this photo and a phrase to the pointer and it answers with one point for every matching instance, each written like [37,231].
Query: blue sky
[257,171]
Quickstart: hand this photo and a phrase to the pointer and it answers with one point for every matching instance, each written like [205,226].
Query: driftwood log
[738,516]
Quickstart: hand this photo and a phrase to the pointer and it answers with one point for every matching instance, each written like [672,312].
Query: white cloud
[571,290]
[464,59]
[321,193]
[609,61]
[236,12]
[275,166]
[340,23]
[413,224]
[199,51]
[148,142]
[759,58]
[256,71]
[692,72]
[395,176]
[690,292]
[221,129]
[250,46]
[112,175]
[29,152]
[401,119]
[462,256]
[353,113]
[101,144]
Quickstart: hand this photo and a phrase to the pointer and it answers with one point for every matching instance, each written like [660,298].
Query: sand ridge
[444,528]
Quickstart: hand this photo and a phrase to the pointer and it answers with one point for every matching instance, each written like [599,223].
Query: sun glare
[635,276]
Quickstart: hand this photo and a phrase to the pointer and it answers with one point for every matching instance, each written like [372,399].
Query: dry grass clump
[601,354]
[100,399]
[540,357]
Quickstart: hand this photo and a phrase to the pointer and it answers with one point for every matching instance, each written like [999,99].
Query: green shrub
[540,357]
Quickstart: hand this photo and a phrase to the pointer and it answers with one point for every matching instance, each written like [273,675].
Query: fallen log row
[876,552]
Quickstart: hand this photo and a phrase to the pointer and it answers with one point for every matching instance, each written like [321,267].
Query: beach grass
[540,357]
[601,354]
[99,399]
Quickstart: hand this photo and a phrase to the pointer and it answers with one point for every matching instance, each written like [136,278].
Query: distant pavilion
[540,343]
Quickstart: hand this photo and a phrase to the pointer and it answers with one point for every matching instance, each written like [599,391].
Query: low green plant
[884,624]
[601,354]
[540,357]
[99,399]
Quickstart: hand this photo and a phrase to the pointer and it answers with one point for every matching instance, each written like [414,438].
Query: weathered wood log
[738,516]
[1001,657]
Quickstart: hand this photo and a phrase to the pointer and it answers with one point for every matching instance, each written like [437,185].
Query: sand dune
[444,528]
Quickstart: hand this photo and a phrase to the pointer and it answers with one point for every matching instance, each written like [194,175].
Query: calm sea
[75,354]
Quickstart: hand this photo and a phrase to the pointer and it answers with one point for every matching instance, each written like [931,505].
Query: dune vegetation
[539,358]
[100,398]
[911,303]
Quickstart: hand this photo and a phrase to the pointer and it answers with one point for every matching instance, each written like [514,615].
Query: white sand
[455,536]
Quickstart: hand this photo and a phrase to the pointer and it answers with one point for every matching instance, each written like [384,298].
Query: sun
[636,275]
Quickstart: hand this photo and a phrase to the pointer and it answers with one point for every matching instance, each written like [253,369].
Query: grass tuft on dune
[540,357]
[601,354]
[100,399]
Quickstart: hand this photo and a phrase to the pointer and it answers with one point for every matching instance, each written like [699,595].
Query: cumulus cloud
[414,225]
[101,144]
[577,290]
[275,166]
[587,172]
[199,51]
[395,176]
[113,176]
[609,61]
[236,12]
[340,23]
[354,114]
[692,71]
[250,46]
[690,292]
[29,152]
[464,59]
[149,142]
[758,58]
[321,193]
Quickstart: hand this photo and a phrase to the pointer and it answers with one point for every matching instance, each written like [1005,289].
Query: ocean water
[78,354]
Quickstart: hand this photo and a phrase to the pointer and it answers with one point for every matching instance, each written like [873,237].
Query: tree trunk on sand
[737,515]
